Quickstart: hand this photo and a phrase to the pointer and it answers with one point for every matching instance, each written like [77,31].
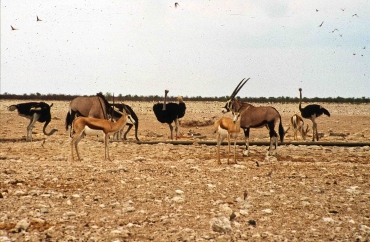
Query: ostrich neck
[300,100]
[164,102]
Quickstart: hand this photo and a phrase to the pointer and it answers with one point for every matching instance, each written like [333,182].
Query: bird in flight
[355,15]
[38,18]
[321,24]
[13,28]
[342,9]
[176,5]
[317,10]
[334,30]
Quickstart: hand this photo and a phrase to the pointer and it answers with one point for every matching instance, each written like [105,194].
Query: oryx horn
[238,87]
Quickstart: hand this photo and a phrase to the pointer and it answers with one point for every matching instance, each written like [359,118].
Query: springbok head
[229,104]
[304,132]
[236,116]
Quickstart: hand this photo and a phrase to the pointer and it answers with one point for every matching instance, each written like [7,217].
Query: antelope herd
[90,116]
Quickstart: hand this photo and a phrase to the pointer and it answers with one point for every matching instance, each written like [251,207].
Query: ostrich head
[300,92]
[179,98]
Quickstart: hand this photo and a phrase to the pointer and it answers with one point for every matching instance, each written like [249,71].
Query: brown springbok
[226,128]
[255,117]
[93,126]
[298,125]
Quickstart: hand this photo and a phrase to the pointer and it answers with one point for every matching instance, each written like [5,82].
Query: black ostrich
[170,112]
[312,112]
[36,112]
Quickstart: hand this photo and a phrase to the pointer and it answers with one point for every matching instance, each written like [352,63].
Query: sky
[199,48]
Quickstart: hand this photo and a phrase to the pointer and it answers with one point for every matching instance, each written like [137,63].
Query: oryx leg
[246,136]
[273,141]
[73,116]
[129,128]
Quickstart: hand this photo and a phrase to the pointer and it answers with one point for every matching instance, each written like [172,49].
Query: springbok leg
[219,141]
[228,143]
[106,146]
[235,149]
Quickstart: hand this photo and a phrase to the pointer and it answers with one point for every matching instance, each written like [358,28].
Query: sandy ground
[166,192]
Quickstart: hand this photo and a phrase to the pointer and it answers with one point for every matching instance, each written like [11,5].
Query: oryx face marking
[227,107]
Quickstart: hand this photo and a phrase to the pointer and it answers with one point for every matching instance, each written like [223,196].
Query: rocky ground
[167,192]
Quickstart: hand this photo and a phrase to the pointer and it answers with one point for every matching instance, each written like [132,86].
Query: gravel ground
[166,192]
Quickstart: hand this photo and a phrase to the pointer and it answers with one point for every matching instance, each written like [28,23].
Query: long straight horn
[240,85]
[236,88]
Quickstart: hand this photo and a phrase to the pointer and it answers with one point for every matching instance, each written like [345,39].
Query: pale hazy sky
[201,48]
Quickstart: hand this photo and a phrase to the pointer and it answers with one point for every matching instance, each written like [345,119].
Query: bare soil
[167,192]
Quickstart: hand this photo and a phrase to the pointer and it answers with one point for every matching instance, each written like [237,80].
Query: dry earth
[166,192]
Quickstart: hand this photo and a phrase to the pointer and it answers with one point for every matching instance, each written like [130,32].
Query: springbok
[226,128]
[298,125]
[255,117]
[92,126]
[35,111]
[94,107]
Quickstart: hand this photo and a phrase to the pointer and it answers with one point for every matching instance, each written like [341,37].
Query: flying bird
[364,47]
[37,18]
[13,28]
[342,9]
[321,24]
[355,15]
[317,10]
[334,30]
[176,5]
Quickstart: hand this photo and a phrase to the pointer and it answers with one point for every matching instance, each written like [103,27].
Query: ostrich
[170,112]
[35,111]
[312,112]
